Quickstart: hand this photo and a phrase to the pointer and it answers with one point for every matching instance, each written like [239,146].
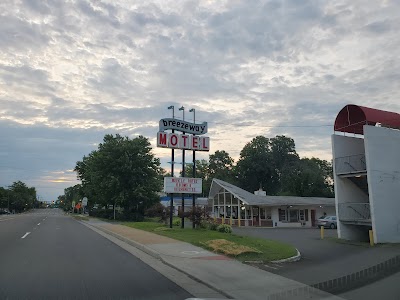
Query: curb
[157,256]
[297,257]
[128,241]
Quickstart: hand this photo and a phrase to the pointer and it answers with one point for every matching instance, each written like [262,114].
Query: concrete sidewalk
[227,276]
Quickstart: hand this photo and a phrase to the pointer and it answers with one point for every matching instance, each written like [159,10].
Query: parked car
[327,222]
[4,212]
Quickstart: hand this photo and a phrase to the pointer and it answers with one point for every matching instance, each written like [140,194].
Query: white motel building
[237,207]
[366,158]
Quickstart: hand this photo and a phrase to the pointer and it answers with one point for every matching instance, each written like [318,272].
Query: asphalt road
[328,259]
[46,255]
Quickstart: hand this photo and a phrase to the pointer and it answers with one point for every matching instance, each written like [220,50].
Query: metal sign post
[171,207]
[183,175]
[194,172]
[191,139]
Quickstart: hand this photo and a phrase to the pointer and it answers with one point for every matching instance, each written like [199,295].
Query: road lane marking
[25,235]
[38,224]
[271,267]
[7,219]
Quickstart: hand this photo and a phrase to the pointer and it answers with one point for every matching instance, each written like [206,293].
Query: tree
[71,194]
[308,178]
[21,197]
[202,171]
[123,172]
[4,197]
[254,168]
[284,157]
[221,166]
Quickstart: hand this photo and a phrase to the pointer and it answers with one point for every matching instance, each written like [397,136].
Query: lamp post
[183,175]
[171,207]
[194,169]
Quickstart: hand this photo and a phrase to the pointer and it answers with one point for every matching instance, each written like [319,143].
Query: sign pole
[183,175]
[194,171]
[171,207]
[196,142]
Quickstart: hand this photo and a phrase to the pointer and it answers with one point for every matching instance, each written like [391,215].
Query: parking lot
[321,259]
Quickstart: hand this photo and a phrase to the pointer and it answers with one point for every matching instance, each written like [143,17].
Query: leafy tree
[4,197]
[308,178]
[202,171]
[21,196]
[123,172]
[221,166]
[255,168]
[284,157]
[71,194]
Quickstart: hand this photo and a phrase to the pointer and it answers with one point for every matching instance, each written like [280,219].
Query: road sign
[182,185]
[84,201]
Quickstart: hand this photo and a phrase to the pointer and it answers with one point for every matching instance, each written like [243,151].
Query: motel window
[302,215]
[282,215]
[293,215]
[262,213]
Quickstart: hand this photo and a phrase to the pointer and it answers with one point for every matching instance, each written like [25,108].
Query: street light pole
[171,207]
[183,175]
[194,170]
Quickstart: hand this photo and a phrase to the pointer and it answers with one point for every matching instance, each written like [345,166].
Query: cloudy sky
[74,70]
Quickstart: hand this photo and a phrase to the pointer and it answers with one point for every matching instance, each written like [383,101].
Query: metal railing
[350,164]
[354,211]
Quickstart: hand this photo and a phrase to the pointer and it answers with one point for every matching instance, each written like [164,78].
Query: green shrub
[225,228]
[213,225]
[176,222]
[203,224]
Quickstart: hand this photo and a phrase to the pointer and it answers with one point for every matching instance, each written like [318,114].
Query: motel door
[313,217]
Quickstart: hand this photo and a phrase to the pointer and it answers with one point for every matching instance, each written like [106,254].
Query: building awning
[251,199]
[352,118]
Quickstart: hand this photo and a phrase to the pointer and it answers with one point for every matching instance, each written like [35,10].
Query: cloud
[72,71]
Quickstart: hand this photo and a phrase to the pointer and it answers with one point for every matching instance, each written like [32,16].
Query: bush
[198,216]
[176,222]
[186,214]
[157,210]
[204,224]
[225,228]
[213,225]
[121,216]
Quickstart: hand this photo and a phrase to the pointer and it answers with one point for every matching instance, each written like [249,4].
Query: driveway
[321,259]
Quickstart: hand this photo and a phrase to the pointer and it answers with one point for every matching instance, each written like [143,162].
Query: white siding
[383,167]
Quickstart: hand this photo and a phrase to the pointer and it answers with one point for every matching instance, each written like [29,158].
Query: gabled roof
[352,118]
[251,199]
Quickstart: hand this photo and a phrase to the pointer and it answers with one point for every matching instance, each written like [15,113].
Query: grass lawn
[269,250]
[81,218]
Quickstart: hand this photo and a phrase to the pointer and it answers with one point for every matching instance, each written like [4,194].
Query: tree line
[18,197]
[124,172]
[271,164]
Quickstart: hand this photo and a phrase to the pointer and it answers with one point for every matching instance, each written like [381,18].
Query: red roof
[352,118]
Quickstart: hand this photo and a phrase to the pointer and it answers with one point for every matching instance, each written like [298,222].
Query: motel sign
[182,185]
[183,141]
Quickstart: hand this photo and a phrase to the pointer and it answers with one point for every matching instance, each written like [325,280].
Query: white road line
[38,224]
[271,267]
[7,219]
[25,235]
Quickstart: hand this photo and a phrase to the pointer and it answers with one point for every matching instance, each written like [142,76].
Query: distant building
[233,205]
[366,159]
